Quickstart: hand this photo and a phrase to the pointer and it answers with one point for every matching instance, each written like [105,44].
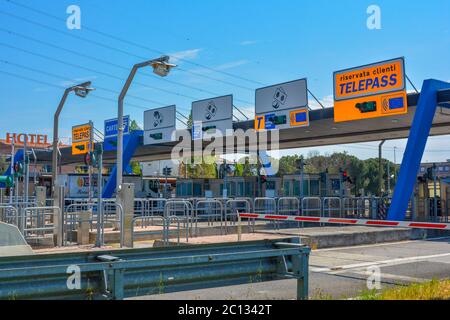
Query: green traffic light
[364,107]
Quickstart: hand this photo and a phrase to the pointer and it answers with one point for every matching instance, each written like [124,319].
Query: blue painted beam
[420,129]
[130,146]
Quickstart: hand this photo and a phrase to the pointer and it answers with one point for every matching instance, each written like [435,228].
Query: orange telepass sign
[81,147]
[370,91]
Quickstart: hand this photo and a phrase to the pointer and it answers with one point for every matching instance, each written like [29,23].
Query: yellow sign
[81,138]
[80,147]
[259,123]
[370,91]
[81,133]
[299,118]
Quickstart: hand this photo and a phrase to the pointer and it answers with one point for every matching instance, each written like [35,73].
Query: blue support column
[420,129]
[129,148]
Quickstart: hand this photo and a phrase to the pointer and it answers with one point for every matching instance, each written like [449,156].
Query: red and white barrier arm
[364,222]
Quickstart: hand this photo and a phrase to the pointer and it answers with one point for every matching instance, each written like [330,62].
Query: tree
[135,166]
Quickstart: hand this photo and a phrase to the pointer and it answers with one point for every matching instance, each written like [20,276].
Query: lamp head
[161,66]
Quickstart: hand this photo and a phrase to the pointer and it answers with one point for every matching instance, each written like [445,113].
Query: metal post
[120,128]
[26,168]
[90,189]
[225,179]
[56,139]
[435,195]
[11,190]
[301,177]
[100,222]
[380,169]
[388,180]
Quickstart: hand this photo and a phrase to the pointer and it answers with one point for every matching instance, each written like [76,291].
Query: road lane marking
[382,263]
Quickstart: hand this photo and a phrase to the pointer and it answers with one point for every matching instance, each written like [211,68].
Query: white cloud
[248,42]
[75,81]
[327,101]
[185,55]
[231,65]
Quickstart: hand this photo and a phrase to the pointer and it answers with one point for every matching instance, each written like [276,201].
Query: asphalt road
[341,273]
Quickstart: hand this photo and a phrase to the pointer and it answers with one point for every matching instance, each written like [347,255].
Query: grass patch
[432,290]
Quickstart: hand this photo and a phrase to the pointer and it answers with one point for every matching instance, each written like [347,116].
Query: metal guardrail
[120,274]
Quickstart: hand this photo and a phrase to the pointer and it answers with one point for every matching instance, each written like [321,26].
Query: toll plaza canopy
[323,131]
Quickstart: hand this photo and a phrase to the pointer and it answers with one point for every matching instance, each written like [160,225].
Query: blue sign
[110,143]
[269,125]
[111,126]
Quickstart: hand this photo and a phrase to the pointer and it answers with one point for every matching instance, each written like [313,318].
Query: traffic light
[365,107]
[263,179]
[429,174]
[18,169]
[277,120]
[344,175]
[323,177]
[90,159]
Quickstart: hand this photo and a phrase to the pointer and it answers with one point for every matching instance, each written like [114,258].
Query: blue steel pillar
[420,129]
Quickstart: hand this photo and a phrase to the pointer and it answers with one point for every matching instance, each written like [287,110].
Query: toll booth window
[287,189]
[241,188]
[270,185]
[335,184]
[315,188]
[197,190]
[248,189]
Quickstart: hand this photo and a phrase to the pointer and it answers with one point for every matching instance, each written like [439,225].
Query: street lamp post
[162,68]
[81,91]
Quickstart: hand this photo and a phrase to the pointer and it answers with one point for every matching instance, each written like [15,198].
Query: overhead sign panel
[81,138]
[159,124]
[282,106]
[370,91]
[211,116]
[110,131]
[112,124]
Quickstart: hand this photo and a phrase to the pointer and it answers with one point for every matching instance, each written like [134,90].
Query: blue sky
[265,42]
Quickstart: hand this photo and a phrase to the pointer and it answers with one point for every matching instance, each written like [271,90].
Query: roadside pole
[26,168]
[435,195]
[100,222]
[11,190]
[91,148]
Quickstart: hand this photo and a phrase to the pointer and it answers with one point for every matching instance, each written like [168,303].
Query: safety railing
[210,212]
[9,215]
[72,219]
[38,222]
[184,211]
[232,208]
[312,206]
[118,274]
[332,207]
[156,225]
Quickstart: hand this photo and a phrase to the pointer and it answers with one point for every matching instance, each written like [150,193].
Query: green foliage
[134,126]
[363,173]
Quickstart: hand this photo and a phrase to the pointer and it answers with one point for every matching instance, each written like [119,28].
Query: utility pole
[11,190]
[380,168]
[81,91]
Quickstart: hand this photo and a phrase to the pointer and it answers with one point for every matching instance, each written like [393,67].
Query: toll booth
[190,188]
[314,185]
[272,187]
[236,186]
